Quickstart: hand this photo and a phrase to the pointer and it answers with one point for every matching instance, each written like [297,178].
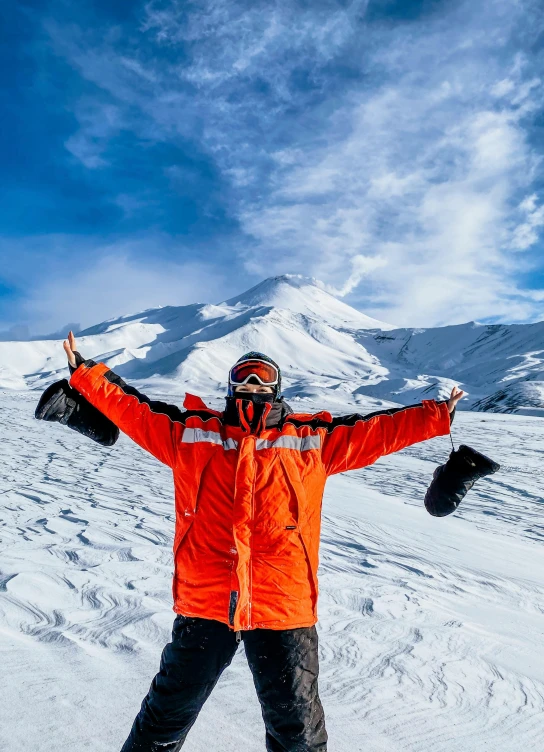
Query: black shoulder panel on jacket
[345,420]
[156,406]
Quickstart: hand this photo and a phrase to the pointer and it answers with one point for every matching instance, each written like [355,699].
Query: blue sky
[171,152]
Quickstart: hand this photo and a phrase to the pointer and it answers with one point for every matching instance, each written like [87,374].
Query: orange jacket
[248,504]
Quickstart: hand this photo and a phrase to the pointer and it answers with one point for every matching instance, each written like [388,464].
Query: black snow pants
[284,664]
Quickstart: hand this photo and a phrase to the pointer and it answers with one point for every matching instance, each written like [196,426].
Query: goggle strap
[254,376]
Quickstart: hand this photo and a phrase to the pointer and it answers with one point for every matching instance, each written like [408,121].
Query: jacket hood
[192,402]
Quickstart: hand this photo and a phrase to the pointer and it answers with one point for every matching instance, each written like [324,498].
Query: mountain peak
[270,287]
[307,295]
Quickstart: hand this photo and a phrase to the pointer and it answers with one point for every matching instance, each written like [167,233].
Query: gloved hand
[79,360]
[74,358]
[452,481]
[61,403]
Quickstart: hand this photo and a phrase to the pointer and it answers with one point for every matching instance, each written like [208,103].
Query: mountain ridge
[329,352]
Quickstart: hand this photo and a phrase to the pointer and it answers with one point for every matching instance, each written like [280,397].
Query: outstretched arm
[156,426]
[354,441]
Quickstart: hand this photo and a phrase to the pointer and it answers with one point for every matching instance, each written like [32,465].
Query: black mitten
[61,403]
[452,481]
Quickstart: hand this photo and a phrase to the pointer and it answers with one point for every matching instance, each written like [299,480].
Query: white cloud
[97,127]
[361,266]
[111,279]
[527,233]
[408,187]
[425,176]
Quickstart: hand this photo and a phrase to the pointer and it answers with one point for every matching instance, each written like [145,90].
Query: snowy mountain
[329,352]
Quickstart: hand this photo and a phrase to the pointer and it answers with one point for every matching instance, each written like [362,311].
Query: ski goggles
[265,373]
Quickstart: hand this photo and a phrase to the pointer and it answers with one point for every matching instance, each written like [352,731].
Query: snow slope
[430,629]
[328,351]
[485,358]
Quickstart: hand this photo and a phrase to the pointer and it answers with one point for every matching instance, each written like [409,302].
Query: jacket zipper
[252,522]
[258,432]
[232,605]
[253,439]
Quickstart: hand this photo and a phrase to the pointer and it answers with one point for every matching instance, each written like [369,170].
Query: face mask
[258,398]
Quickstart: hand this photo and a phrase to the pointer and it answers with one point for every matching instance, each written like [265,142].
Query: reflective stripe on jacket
[248,503]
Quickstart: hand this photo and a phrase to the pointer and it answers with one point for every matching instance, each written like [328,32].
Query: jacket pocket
[292,475]
[182,529]
[180,535]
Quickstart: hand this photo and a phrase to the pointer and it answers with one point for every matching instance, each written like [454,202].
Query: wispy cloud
[392,157]
[111,279]
[96,128]
[117,285]
[431,175]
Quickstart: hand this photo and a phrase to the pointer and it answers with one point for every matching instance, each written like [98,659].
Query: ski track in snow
[430,630]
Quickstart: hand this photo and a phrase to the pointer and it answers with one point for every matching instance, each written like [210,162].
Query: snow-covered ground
[431,630]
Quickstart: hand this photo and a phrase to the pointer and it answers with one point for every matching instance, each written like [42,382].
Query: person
[249,482]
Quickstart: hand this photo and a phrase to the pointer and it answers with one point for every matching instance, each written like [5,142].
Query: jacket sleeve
[354,441]
[156,426]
